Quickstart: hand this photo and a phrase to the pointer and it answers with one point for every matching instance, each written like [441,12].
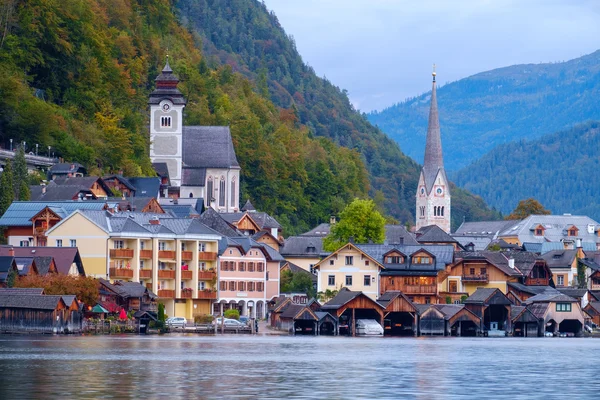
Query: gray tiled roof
[560,258]
[344,296]
[64,257]
[24,264]
[434,234]
[43,264]
[34,302]
[122,179]
[484,228]
[321,230]
[146,186]
[28,291]
[498,259]
[390,296]
[248,206]
[65,168]
[193,176]
[527,289]
[555,227]
[397,234]
[213,219]
[302,246]
[479,242]
[127,289]
[444,255]
[538,309]
[181,211]
[161,169]
[576,293]
[262,219]
[480,295]
[54,192]
[208,147]
[550,295]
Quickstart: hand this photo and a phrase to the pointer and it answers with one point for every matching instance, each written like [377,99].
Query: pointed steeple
[166,87]
[434,161]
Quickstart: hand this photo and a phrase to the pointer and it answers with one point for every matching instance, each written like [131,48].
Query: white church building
[200,160]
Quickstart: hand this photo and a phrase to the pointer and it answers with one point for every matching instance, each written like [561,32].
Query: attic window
[539,231]
[394,260]
[421,260]
[572,231]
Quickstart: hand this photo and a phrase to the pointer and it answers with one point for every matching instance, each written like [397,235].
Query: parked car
[176,322]
[229,322]
[244,319]
[368,327]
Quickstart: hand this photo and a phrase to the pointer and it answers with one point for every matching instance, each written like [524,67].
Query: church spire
[434,160]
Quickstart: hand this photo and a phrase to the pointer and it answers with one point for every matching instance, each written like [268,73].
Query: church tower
[433,190]
[166,124]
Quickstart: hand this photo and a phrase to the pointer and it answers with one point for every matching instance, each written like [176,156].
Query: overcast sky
[382,51]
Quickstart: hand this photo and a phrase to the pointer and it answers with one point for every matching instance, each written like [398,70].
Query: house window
[182,246]
[483,271]
[162,265]
[141,264]
[421,260]
[331,280]
[560,280]
[331,262]
[367,263]
[427,300]
[539,231]
[223,285]
[394,260]
[267,276]
[73,243]
[24,243]
[165,121]
[250,267]
[251,286]
[241,266]
[311,268]
[58,242]
[563,307]
[260,267]
[471,271]
[202,247]
[232,286]
[260,286]
[162,246]
[222,192]
[202,266]
[348,280]
[349,260]
[241,286]
[367,281]
[572,232]
[118,244]
[201,285]
[142,245]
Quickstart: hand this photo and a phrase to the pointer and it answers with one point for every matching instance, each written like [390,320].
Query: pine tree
[6,187]
[20,176]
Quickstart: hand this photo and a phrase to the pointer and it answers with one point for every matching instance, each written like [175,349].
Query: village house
[66,170]
[494,309]
[349,267]
[119,184]
[447,320]
[131,296]
[558,312]
[71,188]
[60,260]
[434,235]
[349,306]
[303,251]
[175,258]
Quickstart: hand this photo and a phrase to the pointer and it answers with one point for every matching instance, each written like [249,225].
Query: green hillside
[76,76]
[560,170]
[249,38]
[499,106]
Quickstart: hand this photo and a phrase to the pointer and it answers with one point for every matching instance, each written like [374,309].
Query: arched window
[222,192]
[442,211]
[435,211]
[165,121]
[209,191]
[233,192]
[191,194]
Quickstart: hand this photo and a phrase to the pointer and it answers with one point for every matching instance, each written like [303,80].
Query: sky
[382,51]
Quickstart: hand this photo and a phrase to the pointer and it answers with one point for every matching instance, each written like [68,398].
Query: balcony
[186,275]
[537,281]
[166,293]
[206,275]
[145,273]
[207,294]
[166,254]
[420,289]
[207,256]
[186,294]
[186,255]
[120,273]
[39,231]
[146,254]
[475,278]
[121,253]
[166,274]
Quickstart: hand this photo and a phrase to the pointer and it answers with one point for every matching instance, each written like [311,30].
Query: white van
[368,327]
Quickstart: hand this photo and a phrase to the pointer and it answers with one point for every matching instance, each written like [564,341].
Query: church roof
[434,161]
[248,206]
[208,147]
[166,88]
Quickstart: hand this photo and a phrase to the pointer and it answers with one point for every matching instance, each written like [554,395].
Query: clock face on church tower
[166,107]
[439,191]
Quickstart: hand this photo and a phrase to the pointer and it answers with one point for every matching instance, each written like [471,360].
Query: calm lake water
[190,366]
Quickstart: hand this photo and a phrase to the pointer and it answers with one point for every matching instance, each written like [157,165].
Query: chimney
[511,263]
[11,251]
[43,189]
[580,253]
[332,220]
[154,221]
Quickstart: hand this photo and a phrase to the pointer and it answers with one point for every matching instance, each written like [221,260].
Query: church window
[165,121]
[233,192]
[222,192]
[422,190]
[209,191]
[435,211]
[442,211]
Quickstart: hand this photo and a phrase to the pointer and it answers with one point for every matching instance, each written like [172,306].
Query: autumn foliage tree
[85,288]
[528,207]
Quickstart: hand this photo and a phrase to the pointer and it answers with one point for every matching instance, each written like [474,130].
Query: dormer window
[539,230]
[394,260]
[572,231]
[165,122]
[421,260]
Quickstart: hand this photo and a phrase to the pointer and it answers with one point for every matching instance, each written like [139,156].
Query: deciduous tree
[528,207]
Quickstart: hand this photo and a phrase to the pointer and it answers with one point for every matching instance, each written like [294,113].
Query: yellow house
[351,268]
[174,257]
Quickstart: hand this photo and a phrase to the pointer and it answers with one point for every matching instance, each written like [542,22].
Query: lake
[276,367]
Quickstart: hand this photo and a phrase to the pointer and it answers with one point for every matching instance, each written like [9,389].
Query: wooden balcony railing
[166,293]
[187,255]
[206,275]
[207,294]
[119,273]
[146,254]
[186,294]
[145,273]
[166,274]
[121,253]
[166,254]
[420,289]
[537,281]
[475,278]
[207,256]
[186,275]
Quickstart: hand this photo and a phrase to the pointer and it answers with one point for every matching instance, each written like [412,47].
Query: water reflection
[187,366]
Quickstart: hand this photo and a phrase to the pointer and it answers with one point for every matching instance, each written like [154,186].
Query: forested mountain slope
[76,76]
[560,170]
[499,106]
[245,35]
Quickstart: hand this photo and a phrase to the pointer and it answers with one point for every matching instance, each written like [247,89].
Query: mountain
[76,76]
[249,38]
[499,106]
[559,170]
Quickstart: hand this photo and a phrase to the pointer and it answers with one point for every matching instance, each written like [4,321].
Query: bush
[463,298]
[448,300]
[203,319]
[233,314]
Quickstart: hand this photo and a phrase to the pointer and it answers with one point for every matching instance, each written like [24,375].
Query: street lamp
[24,146]
[10,144]
[36,149]
[49,151]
